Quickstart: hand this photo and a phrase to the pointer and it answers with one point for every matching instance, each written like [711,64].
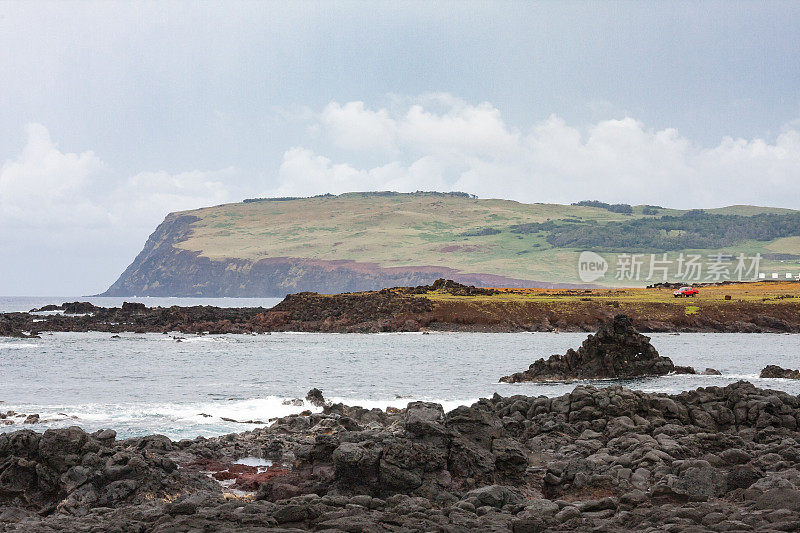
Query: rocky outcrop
[774,371]
[596,459]
[385,310]
[617,350]
[420,308]
[71,472]
[315,398]
[78,308]
[453,288]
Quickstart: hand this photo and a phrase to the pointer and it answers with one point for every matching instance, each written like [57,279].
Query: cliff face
[367,241]
[162,269]
[154,271]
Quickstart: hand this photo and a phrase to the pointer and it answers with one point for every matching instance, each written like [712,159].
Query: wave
[203,339]
[746,377]
[401,403]
[197,418]
[17,346]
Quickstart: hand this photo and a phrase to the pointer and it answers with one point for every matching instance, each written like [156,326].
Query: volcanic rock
[74,471]
[134,307]
[78,308]
[50,307]
[396,309]
[595,459]
[617,350]
[774,371]
[315,398]
[457,289]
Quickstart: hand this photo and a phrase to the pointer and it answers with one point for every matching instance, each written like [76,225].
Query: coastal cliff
[164,269]
[329,244]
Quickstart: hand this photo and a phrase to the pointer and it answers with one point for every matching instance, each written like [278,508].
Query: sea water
[183,385]
[15,304]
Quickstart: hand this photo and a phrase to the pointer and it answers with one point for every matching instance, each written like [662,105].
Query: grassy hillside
[448,230]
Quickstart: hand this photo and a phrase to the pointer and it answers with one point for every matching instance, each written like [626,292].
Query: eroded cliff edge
[162,269]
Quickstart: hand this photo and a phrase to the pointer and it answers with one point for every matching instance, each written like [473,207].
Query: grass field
[751,306]
[425,230]
[760,292]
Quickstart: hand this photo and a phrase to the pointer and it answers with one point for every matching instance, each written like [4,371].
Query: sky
[114,114]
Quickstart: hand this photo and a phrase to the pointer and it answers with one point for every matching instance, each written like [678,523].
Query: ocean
[183,385]
[9,304]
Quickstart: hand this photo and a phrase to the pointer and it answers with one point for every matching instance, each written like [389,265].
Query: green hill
[360,241]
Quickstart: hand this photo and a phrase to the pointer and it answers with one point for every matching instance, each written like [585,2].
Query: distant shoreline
[760,307]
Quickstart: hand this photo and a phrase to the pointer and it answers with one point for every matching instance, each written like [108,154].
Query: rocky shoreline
[596,459]
[442,306]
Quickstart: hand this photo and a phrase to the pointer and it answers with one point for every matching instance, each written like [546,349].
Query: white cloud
[757,163]
[304,173]
[46,188]
[470,147]
[354,127]
[69,222]
[461,130]
[153,194]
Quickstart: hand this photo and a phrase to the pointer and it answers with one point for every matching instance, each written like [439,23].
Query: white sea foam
[206,418]
[194,414]
[402,403]
[252,409]
[17,345]
[254,461]
[204,339]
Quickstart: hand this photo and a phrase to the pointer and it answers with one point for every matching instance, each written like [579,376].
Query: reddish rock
[243,469]
[251,482]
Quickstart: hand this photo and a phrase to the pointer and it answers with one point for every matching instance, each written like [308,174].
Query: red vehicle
[686,292]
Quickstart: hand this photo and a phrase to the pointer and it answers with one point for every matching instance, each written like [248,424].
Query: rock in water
[78,308]
[315,398]
[617,350]
[774,371]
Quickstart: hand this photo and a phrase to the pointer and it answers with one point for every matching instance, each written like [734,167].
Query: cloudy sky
[114,114]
